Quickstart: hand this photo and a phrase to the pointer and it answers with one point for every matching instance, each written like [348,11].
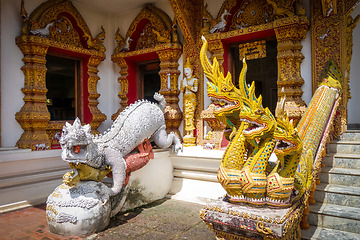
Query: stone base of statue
[189,141]
[78,210]
[235,221]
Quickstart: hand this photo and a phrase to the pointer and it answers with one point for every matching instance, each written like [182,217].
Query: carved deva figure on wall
[189,88]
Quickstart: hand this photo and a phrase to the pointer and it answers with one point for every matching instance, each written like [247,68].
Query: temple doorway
[63,82]
[262,68]
[149,80]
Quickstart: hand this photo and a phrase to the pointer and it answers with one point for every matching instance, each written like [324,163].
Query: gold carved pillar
[216,49]
[289,33]
[97,116]
[169,71]
[331,38]
[124,86]
[34,116]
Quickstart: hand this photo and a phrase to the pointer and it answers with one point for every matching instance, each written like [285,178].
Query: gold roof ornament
[188,64]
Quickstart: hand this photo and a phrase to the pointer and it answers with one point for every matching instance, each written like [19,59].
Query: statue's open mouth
[253,126]
[281,145]
[77,153]
[222,103]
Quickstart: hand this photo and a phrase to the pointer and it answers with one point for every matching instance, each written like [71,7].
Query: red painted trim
[143,57]
[76,27]
[229,19]
[132,76]
[85,92]
[132,80]
[84,68]
[135,36]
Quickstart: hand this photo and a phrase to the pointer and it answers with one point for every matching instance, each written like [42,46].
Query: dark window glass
[62,85]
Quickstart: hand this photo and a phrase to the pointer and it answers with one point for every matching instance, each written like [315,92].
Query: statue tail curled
[161,99]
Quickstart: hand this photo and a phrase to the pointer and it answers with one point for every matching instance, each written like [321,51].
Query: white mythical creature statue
[222,24]
[139,121]
[83,204]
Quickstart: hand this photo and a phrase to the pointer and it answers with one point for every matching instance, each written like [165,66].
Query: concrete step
[351,135]
[338,195]
[342,160]
[336,217]
[344,146]
[320,233]
[340,176]
[196,175]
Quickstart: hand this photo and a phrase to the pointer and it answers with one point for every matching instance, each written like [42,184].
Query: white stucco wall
[306,63]
[12,78]
[353,107]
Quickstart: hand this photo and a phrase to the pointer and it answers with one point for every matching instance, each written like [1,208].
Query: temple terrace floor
[162,219]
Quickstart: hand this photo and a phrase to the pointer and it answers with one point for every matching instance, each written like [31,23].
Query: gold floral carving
[157,36]
[189,17]
[215,135]
[328,7]
[147,37]
[49,11]
[289,33]
[169,71]
[158,21]
[252,13]
[54,130]
[97,116]
[34,117]
[124,84]
[62,31]
[331,38]
[262,229]
[252,50]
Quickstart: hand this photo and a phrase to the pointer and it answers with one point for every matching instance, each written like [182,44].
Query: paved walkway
[163,219]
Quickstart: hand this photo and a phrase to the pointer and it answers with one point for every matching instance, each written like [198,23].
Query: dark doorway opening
[64,88]
[261,70]
[149,81]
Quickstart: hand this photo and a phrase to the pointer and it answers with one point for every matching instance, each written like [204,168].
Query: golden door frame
[67,37]
[289,28]
[164,45]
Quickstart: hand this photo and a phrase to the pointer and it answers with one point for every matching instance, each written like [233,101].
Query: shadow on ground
[162,219]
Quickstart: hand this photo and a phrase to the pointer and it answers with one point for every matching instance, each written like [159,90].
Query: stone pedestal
[78,210]
[232,221]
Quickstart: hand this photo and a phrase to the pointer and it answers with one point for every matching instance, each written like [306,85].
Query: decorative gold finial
[188,64]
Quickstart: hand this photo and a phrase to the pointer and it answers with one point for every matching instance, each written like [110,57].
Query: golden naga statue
[245,171]
[189,87]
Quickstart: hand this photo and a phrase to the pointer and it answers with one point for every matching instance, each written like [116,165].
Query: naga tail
[161,99]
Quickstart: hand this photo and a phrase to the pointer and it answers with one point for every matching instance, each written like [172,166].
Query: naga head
[221,90]
[77,144]
[261,121]
[287,138]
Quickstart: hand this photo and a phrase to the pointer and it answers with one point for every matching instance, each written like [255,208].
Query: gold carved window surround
[152,35]
[55,26]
